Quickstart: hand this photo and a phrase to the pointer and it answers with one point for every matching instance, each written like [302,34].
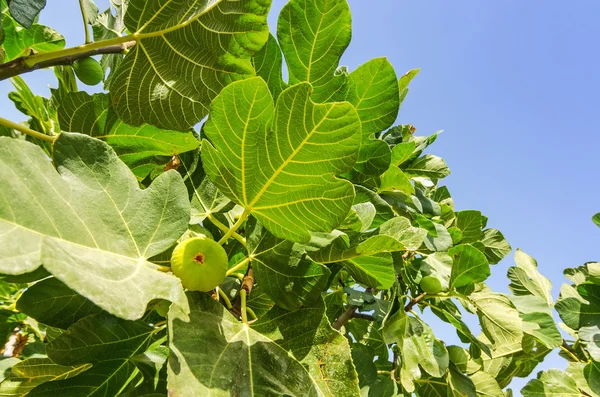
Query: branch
[367,317]
[30,63]
[343,319]
[239,308]
[413,302]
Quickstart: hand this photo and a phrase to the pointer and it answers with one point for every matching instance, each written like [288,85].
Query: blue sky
[515,86]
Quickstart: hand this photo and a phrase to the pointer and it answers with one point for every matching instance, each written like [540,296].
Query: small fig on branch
[431,285]
[88,71]
[200,263]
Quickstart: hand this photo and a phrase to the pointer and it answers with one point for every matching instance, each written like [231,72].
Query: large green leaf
[537,319]
[282,271]
[266,359]
[470,223]
[499,321]
[26,11]
[396,234]
[186,52]
[313,36]
[429,165]
[140,147]
[551,383]
[375,271]
[282,170]
[106,342]
[268,64]
[496,246]
[469,266]
[419,348]
[95,227]
[53,303]
[19,42]
[30,373]
[579,306]
[485,384]
[373,90]
[525,279]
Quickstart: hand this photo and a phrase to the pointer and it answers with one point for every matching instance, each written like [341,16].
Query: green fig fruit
[162,307]
[200,263]
[88,71]
[431,285]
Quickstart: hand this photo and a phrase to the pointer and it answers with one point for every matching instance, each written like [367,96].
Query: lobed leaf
[267,358]
[282,169]
[95,228]
[186,52]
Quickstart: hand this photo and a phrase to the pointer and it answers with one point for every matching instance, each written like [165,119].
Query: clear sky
[515,86]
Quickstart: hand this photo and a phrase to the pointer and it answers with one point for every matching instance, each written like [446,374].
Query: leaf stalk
[243,294]
[27,131]
[238,266]
[235,227]
[85,24]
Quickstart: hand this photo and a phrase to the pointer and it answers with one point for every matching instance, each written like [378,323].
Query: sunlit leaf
[141,148]
[277,172]
[186,52]
[266,358]
[19,42]
[95,227]
[313,36]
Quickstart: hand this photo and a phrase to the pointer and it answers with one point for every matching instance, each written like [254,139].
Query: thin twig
[343,319]
[367,317]
[394,366]
[413,302]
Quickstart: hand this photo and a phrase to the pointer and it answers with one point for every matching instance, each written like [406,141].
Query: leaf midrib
[287,161]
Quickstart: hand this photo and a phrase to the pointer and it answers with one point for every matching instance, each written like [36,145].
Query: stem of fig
[238,266]
[25,130]
[235,227]
[251,312]
[85,24]
[224,228]
[225,298]
[243,293]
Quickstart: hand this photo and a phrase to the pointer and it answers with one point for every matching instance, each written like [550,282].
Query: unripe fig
[431,285]
[88,71]
[162,307]
[200,263]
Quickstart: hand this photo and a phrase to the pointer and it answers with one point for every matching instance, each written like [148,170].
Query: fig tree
[200,263]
